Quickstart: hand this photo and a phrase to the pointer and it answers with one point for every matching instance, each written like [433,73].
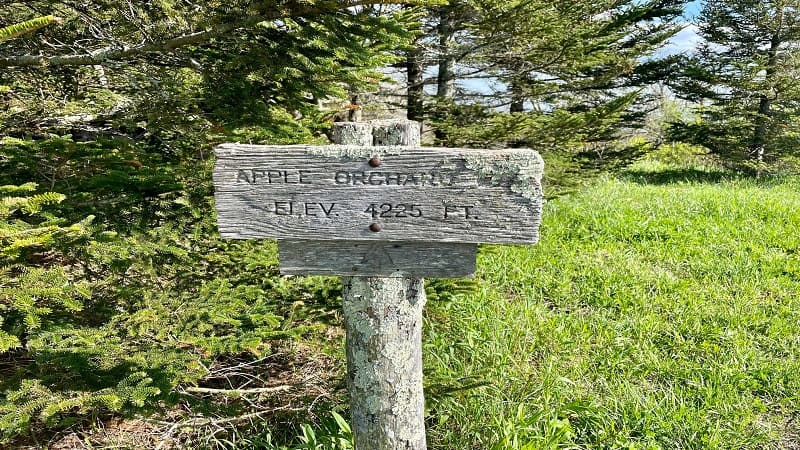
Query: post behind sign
[383,321]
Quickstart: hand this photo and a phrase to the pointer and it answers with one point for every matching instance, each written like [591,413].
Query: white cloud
[683,42]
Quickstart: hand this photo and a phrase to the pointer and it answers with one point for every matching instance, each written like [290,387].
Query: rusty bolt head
[375,162]
[375,227]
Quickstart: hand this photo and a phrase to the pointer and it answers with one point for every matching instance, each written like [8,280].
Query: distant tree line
[577,74]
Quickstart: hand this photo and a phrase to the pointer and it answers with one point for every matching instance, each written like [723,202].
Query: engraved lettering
[284,208]
[373,178]
[433,178]
[309,207]
[393,178]
[459,211]
[256,174]
[358,177]
[342,178]
[252,176]
[327,211]
[468,212]
[377,256]
[389,210]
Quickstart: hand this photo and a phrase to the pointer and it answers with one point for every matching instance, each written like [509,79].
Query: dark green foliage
[34,404]
[572,72]
[32,297]
[162,295]
[116,290]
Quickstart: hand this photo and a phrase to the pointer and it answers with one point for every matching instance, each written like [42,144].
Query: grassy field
[661,310]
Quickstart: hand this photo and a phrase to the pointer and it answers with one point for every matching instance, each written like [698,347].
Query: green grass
[655,313]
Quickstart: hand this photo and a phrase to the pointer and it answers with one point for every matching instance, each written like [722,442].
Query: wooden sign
[389,194]
[383,216]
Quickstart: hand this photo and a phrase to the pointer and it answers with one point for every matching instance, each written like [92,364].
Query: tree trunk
[445,80]
[383,322]
[415,81]
[517,99]
[758,147]
[759,144]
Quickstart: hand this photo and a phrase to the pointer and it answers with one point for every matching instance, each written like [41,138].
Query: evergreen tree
[243,57]
[570,72]
[744,78]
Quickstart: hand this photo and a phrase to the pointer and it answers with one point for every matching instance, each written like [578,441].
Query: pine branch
[17,30]
[104,55]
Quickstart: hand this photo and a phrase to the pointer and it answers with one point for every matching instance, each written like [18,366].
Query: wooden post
[383,322]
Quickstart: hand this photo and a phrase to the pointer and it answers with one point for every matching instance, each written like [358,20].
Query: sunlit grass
[658,311]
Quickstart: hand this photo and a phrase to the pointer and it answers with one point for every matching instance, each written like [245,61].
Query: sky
[692,9]
[687,39]
[683,42]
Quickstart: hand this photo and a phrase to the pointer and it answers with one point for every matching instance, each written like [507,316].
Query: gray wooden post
[383,322]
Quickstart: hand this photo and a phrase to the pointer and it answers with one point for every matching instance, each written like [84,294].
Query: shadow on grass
[680,175]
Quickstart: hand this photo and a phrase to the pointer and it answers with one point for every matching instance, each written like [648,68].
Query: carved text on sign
[374,210]
[256,176]
[378,193]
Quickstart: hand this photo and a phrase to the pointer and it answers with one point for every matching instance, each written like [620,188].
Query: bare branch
[238,392]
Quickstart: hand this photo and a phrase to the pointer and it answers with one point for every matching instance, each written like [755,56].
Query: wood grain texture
[416,194]
[372,259]
[394,132]
[383,321]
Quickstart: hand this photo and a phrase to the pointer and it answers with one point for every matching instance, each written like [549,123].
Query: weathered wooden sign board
[387,194]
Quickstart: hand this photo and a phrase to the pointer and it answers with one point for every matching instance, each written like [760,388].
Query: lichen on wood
[353,133]
[383,320]
[523,168]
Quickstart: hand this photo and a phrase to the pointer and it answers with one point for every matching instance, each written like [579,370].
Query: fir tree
[569,73]
[744,78]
